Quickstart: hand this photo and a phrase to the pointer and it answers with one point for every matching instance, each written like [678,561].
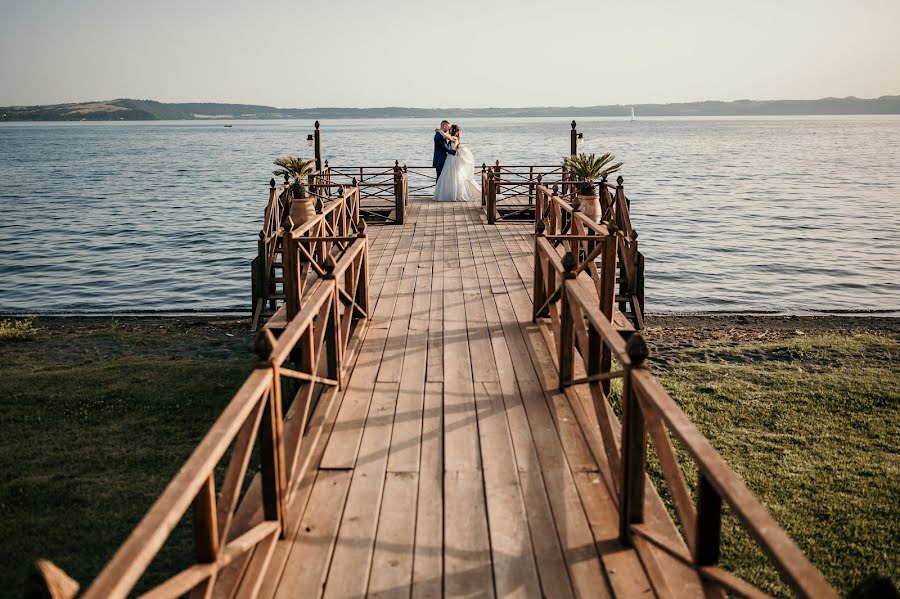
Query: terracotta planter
[302,210]
[590,207]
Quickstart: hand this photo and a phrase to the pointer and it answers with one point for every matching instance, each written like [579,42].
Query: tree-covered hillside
[142,110]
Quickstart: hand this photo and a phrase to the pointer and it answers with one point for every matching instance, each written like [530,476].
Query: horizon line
[569,107]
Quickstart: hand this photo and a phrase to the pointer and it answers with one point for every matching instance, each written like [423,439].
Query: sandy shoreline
[660,327]
[762,327]
[672,338]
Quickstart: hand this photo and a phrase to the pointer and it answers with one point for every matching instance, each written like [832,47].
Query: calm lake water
[790,214]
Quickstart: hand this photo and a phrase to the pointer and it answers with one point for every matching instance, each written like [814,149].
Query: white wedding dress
[457,181]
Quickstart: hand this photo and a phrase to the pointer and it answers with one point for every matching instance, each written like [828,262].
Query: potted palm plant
[302,205]
[587,168]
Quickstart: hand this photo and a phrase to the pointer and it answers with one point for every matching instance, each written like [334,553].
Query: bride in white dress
[457,181]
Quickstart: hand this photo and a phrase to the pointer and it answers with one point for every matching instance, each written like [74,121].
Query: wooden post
[538,203]
[491,198]
[639,280]
[622,213]
[362,287]
[573,140]
[291,269]
[567,325]
[318,147]
[595,351]
[608,259]
[575,228]
[269,453]
[530,185]
[399,206]
[709,523]
[624,286]
[603,190]
[634,457]
[607,296]
[272,206]
[206,529]
[540,295]
[261,269]
[553,220]
[333,345]
[484,189]
[405,188]
[256,291]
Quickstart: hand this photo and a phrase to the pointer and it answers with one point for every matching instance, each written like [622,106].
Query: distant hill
[150,110]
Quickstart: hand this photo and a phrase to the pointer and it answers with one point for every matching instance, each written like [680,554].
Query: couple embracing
[454,166]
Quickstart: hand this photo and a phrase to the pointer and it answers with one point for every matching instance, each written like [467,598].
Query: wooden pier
[453,464]
[452,406]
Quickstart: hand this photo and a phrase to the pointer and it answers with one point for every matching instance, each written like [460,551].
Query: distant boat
[631,116]
[632,113]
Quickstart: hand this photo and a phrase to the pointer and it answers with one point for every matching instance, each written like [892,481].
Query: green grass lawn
[91,431]
[96,419]
[813,426]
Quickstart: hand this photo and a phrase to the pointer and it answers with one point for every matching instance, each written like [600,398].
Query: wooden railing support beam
[272,460]
[206,527]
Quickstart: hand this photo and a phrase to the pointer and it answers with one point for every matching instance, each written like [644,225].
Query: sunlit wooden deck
[453,466]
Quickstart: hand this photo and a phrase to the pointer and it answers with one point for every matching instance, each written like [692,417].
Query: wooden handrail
[786,556]
[338,220]
[126,566]
[332,313]
[582,329]
[258,395]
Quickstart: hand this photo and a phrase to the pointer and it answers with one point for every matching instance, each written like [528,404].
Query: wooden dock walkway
[454,465]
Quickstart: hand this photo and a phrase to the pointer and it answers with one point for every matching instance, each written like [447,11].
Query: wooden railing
[338,214]
[587,344]
[262,267]
[314,348]
[384,191]
[557,217]
[513,184]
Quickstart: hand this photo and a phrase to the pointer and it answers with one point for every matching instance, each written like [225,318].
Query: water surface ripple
[789,214]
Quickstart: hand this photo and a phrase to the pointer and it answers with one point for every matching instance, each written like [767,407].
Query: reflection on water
[787,214]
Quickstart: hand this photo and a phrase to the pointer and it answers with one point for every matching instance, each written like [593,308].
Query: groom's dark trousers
[441,149]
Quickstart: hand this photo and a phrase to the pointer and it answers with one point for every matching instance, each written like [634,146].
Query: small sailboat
[229,126]
[632,113]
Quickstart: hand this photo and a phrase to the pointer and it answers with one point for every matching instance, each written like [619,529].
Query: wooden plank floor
[453,466]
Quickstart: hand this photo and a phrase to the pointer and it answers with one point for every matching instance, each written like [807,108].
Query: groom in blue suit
[441,149]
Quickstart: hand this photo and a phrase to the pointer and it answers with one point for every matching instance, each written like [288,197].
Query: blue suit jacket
[441,149]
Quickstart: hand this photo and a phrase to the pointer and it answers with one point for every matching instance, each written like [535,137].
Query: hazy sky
[459,53]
